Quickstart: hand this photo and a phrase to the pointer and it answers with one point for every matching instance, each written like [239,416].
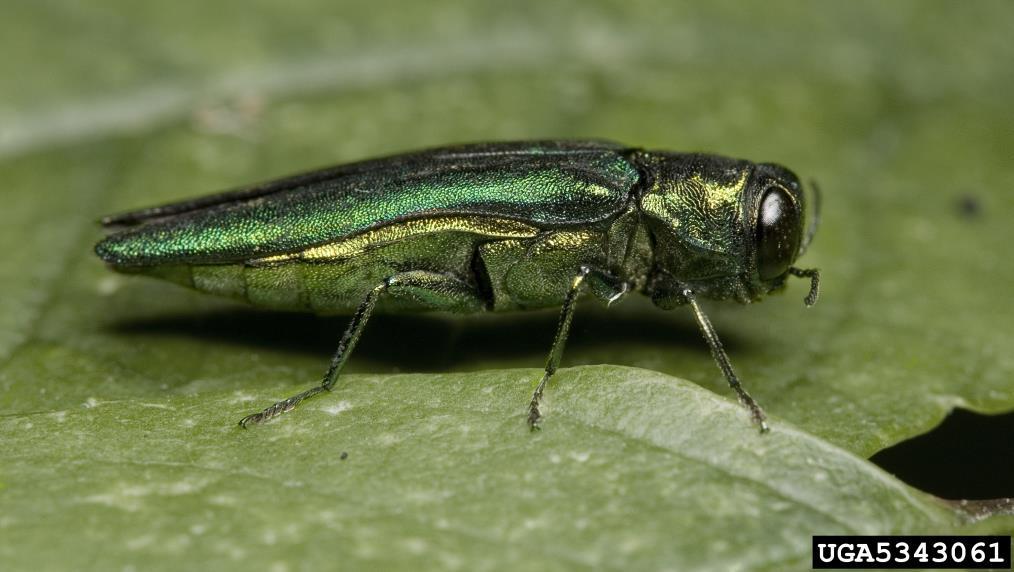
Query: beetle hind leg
[430,289]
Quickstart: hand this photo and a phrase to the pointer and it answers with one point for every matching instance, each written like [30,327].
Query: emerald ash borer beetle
[489,227]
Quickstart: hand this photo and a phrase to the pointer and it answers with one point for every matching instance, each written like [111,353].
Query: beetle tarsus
[756,413]
[534,417]
[277,409]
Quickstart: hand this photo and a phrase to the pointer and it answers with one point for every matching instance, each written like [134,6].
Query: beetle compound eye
[777,233]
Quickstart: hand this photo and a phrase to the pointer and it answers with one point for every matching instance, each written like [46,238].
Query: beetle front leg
[605,286]
[437,290]
[718,352]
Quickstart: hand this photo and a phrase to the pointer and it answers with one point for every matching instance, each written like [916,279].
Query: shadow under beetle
[486,227]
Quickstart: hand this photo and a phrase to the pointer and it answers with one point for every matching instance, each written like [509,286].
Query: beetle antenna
[811,229]
[814,275]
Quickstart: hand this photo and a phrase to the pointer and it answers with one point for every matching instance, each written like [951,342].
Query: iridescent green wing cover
[551,184]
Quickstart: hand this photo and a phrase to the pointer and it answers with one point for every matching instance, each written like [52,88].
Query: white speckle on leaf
[428,495]
[178,543]
[198,529]
[140,542]
[240,397]
[950,401]
[450,561]
[120,500]
[108,285]
[331,519]
[130,497]
[415,545]
[235,552]
[336,408]
[630,545]
[580,456]
[59,416]
[223,500]
[90,403]
[155,405]
[554,458]
[183,487]
[533,523]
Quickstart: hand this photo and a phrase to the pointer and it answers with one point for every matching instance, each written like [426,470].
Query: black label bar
[899,552]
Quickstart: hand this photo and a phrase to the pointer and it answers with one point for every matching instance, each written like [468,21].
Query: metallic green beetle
[486,227]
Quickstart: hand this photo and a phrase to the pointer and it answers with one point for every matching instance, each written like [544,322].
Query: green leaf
[634,469]
[119,396]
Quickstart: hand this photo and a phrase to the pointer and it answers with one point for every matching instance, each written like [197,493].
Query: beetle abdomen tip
[118,252]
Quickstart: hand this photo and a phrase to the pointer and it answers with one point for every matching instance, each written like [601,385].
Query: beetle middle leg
[605,286]
[430,288]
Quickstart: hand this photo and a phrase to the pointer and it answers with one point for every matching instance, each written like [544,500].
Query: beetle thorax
[693,207]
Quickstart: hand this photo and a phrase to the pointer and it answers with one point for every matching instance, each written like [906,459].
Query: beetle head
[725,228]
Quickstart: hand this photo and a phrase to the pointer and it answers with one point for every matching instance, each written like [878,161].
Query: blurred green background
[118,396]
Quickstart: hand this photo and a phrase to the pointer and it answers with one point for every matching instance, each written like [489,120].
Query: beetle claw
[534,417]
